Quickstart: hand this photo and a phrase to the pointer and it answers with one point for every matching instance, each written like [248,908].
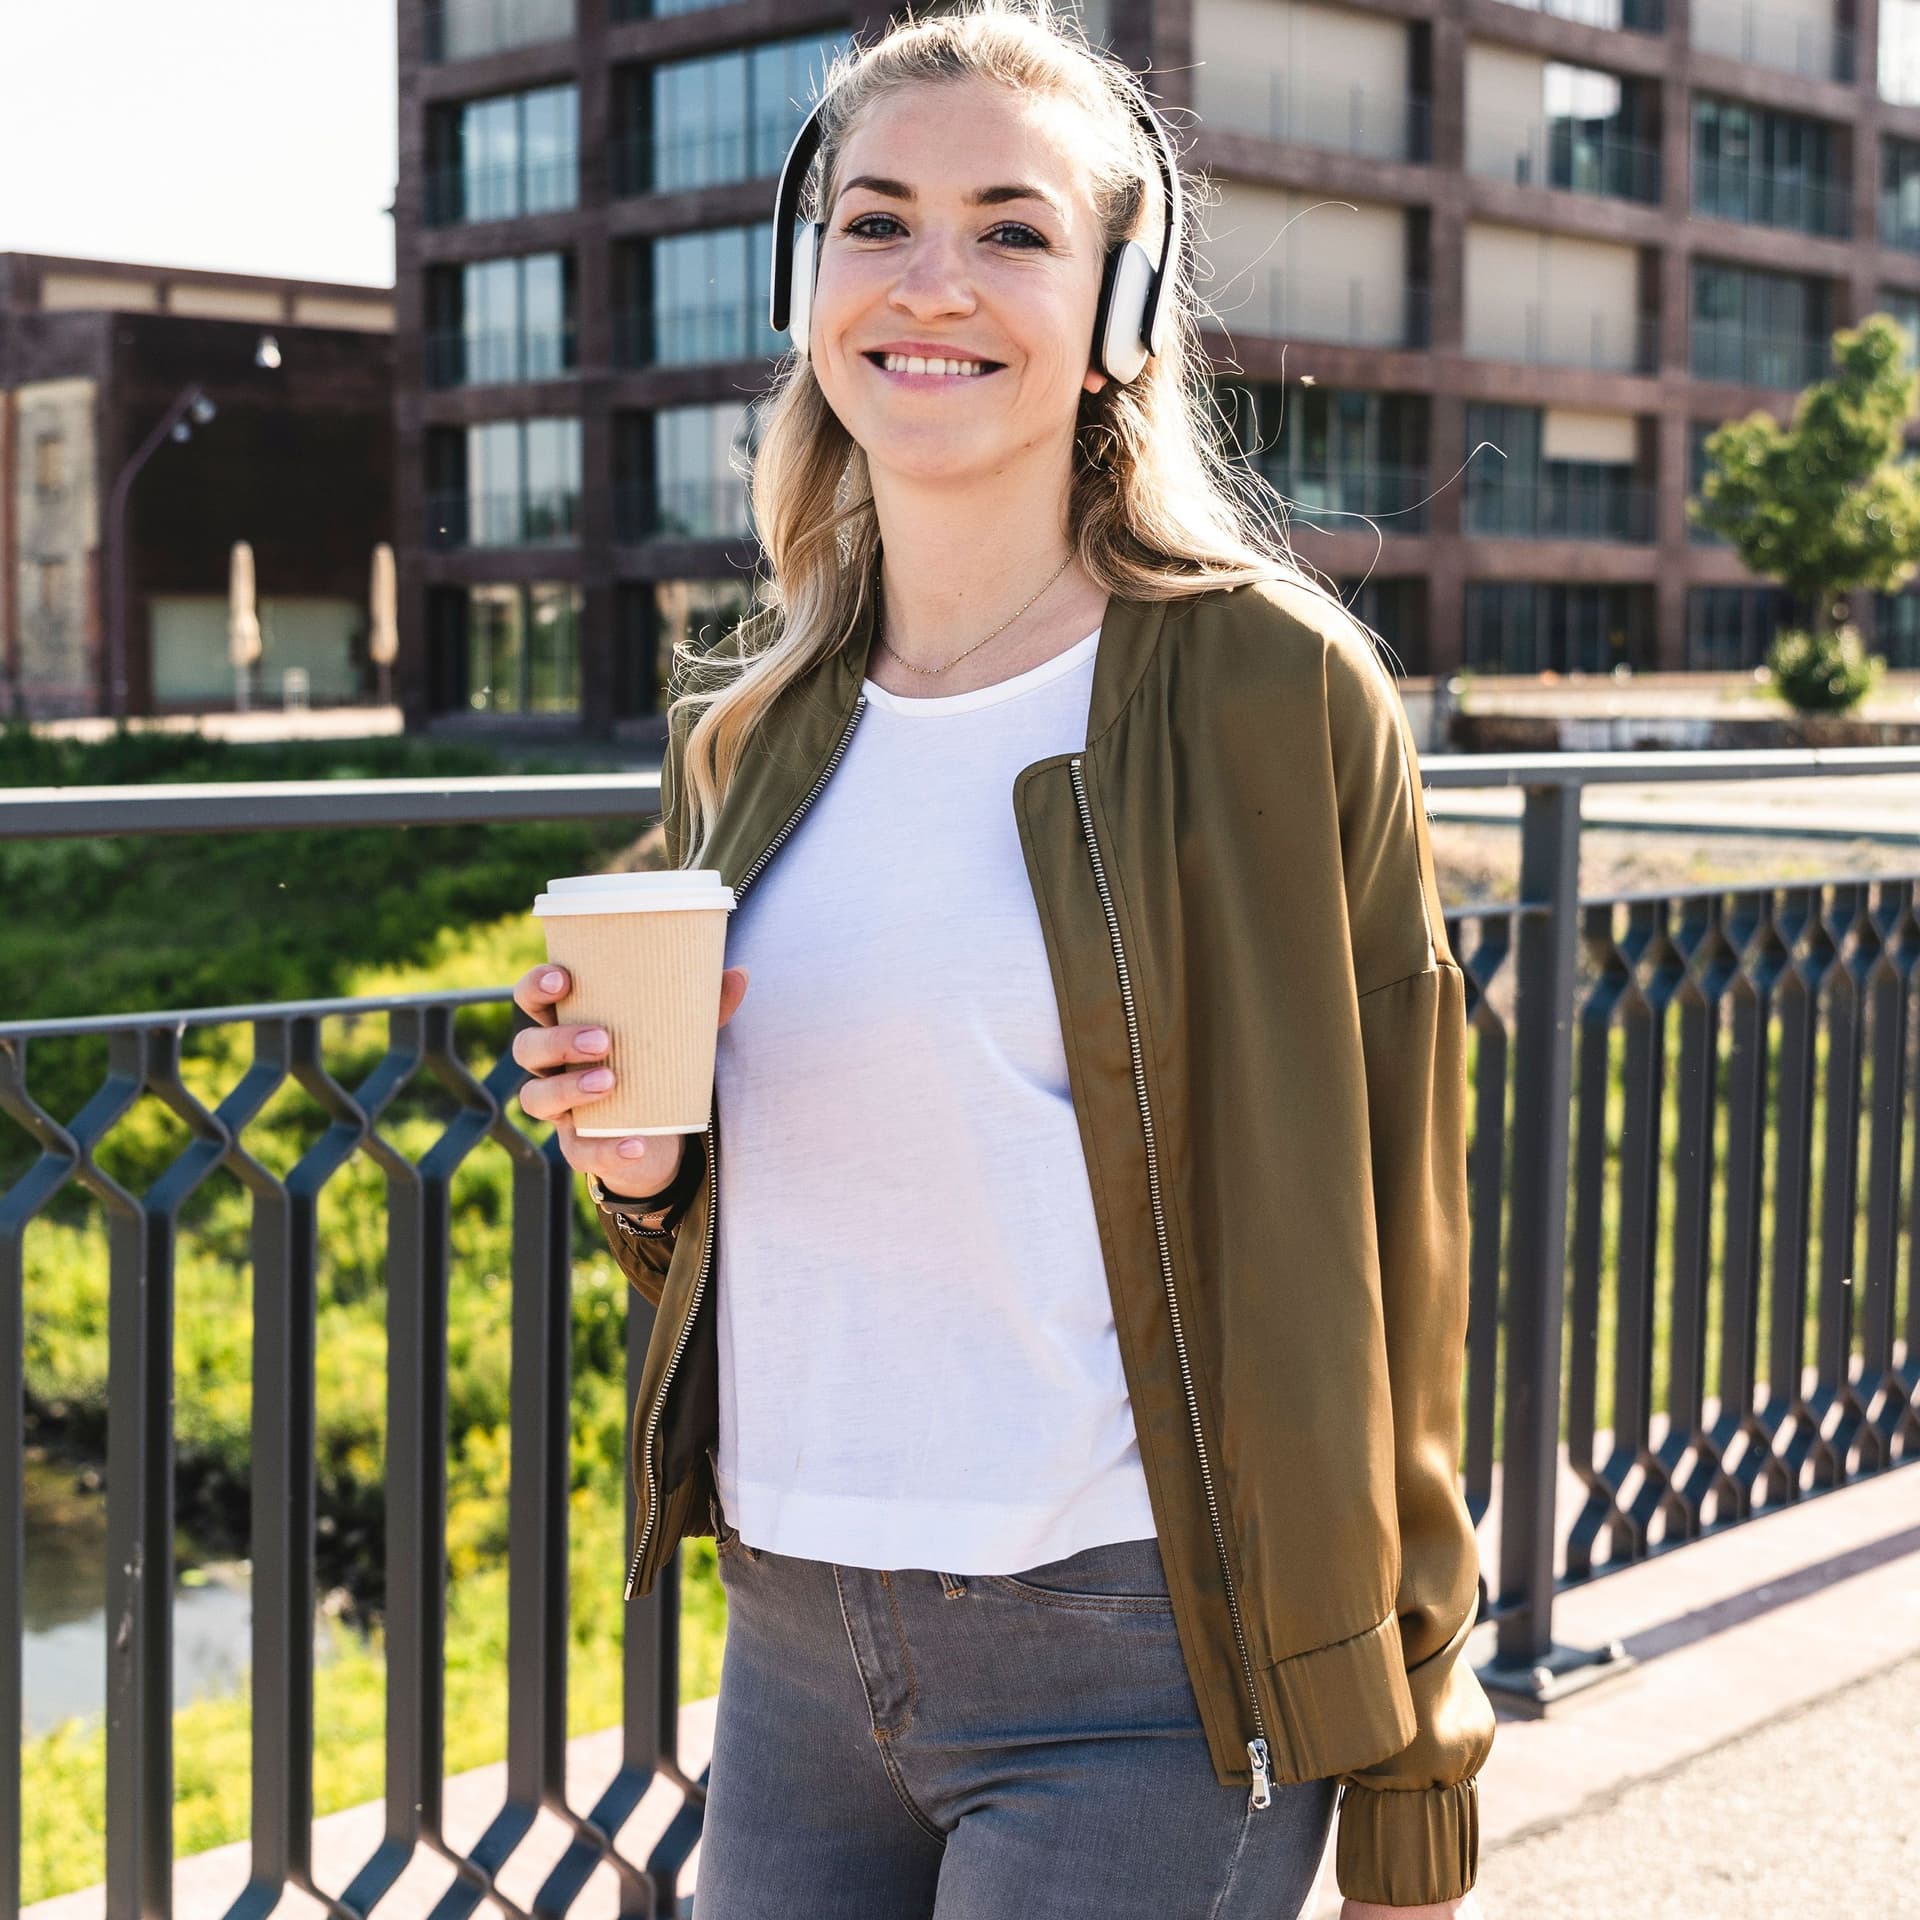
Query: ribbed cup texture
[653,981]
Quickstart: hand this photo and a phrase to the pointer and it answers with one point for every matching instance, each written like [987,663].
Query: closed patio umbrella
[383,637]
[243,621]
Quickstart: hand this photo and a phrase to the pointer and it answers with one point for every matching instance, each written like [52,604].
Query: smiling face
[911,259]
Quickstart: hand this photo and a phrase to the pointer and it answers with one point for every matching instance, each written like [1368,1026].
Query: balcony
[1754,32]
[1726,350]
[1318,110]
[676,163]
[1353,494]
[1568,337]
[529,517]
[1768,197]
[1305,305]
[496,356]
[469,195]
[466,29]
[1634,16]
[695,335]
[1562,155]
[682,510]
[1529,507]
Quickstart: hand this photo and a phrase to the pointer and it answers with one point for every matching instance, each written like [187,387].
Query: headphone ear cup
[1129,280]
[806,261]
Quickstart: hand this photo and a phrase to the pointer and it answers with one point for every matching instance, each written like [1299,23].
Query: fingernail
[553,982]
[593,1040]
[632,1149]
[598,1080]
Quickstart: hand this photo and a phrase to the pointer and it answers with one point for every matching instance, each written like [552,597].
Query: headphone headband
[786,211]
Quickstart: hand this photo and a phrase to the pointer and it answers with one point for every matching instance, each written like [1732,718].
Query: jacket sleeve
[1409,1824]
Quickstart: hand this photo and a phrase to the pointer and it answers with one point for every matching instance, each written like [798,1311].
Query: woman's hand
[634,1167]
[1465,1908]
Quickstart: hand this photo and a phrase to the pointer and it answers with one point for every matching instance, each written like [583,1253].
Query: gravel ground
[1813,1814]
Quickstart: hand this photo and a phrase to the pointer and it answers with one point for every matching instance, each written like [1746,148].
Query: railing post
[1528,1668]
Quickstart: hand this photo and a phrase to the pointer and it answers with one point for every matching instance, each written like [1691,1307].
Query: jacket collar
[811,717]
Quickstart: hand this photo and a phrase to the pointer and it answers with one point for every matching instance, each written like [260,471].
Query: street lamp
[190,408]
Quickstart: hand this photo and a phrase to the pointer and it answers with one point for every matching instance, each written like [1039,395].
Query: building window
[504,483]
[660,9]
[718,118]
[1758,328]
[1535,626]
[522,648]
[1396,609]
[1900,51]
[1729,629]
[50,465]
[1904,307]
[1768,169]
[689,299]
[503,158]
[1345,454]
[680,473]
[1897,629]
[465,29]
[658,619]
[501,320]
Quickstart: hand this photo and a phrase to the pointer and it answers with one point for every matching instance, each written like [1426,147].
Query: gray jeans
[915,1745]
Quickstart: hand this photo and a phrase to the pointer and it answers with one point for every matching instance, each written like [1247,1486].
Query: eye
[854,228]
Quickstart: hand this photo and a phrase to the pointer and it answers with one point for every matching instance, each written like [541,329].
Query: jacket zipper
[713,1173]
[1262,1794]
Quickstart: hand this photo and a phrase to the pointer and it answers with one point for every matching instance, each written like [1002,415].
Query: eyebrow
[984,197]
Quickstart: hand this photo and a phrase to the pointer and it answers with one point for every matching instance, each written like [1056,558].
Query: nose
[933,279]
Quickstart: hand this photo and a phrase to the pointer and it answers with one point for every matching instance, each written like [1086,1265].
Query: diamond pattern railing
[1694,1154]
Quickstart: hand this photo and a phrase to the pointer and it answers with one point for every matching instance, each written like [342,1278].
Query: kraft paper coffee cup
[644,952]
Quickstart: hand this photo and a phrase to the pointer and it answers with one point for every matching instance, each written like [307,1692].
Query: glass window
[550,148]
[493,649]
[496,482]
[523,647]
[553,478]
[698,493]
[499,320]
[731,116]
[464,29]
[490,159]
[710,296]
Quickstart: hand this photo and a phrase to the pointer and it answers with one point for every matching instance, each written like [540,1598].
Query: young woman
[1068,1364]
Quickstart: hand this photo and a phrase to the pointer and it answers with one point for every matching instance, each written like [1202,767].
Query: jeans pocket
[1124,1575]
[726,1537]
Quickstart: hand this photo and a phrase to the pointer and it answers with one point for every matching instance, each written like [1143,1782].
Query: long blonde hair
[1156,510]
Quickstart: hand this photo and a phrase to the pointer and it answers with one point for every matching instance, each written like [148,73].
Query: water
[65,1666]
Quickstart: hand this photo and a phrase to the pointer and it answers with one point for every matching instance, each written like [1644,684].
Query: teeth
[914,363]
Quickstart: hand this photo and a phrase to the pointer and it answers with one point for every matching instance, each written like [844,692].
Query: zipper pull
[1262,1795]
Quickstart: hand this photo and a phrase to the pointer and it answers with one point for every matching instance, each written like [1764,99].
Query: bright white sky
[252,136]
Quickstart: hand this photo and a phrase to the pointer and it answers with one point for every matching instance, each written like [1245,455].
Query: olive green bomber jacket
[1265,1030]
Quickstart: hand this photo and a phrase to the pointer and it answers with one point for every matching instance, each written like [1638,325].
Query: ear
[1093,381]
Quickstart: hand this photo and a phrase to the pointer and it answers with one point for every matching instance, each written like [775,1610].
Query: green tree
[1827,504]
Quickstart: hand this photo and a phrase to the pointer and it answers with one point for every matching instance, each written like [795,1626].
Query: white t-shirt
[917,1358]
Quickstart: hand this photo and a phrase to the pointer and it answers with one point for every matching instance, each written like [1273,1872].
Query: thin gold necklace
[930,672]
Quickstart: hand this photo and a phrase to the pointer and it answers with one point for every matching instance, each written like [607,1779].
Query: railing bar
[139,1574]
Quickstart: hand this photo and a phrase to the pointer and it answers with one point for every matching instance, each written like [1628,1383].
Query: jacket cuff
[1406,1849]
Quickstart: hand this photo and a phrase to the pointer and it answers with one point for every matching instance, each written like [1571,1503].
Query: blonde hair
[1155,509]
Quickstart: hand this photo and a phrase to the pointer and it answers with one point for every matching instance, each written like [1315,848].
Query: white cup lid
[674,890]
